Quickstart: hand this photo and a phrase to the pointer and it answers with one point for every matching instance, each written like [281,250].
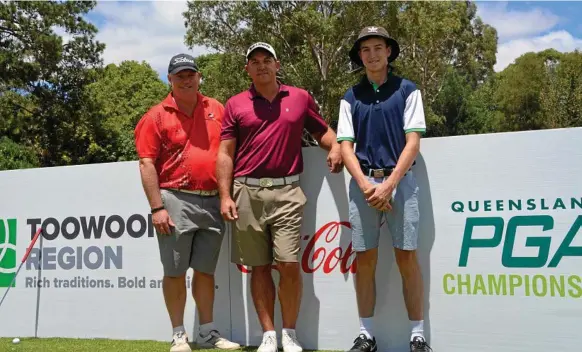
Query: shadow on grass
[242,349]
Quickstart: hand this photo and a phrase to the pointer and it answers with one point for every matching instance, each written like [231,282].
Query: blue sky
[525,26]
[153,31]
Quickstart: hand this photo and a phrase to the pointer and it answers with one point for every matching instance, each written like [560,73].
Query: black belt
[385,172]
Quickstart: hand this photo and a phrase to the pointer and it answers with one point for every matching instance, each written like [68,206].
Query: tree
[122,95]
[312,39]
[42,78]
[482,112]
[14,156]
[30,50]
[442,43]
[309,37]
[223,75]
[541,90]
[561,97]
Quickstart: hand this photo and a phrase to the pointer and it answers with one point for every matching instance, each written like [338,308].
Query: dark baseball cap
[182,62]
[374,31]
[263,46]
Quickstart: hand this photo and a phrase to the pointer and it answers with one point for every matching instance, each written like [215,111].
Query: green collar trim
[375,86]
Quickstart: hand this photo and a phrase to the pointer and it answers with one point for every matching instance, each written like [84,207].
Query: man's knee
[406,260]
[175,277]
[203,275]
[174,271]
[289,270]
[367,260]
[261,270]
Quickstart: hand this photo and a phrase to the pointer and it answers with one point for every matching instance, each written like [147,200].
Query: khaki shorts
[269,224]
[196,239]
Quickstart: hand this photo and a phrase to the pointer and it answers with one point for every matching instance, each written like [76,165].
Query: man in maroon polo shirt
[261,141]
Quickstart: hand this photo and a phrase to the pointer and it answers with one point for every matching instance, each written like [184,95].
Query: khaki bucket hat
[374,31]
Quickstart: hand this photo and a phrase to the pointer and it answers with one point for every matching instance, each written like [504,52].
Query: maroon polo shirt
[269,134]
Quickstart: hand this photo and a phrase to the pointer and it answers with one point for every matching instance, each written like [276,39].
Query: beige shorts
[269,224]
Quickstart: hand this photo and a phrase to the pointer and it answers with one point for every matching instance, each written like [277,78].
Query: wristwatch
[154,210]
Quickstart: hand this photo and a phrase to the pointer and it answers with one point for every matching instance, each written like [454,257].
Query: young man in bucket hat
[261,143]
[383,116]
[177,143]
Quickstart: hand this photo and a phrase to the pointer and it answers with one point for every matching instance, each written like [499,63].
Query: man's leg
[205,253]
[413,291]
[365,222]
[412,287]
[203,293]
[251,246]
[175,252]
[287,218]
[403,222]
[263,293]
[174,289]
[366,288]
[290,289]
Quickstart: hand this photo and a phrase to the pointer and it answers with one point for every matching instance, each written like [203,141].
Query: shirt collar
[366,81]
[170,103]
[254,94]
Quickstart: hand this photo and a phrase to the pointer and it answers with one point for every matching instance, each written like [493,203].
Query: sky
[153,31]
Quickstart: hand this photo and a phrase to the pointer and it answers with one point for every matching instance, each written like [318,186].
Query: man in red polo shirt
[261,141]
[177,143]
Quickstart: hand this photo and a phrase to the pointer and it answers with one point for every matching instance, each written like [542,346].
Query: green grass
[95,345]
[91,345]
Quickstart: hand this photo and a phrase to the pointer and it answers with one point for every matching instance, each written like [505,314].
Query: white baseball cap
[261,45]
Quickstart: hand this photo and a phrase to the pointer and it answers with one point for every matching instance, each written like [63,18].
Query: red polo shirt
[184,148]
[269,134]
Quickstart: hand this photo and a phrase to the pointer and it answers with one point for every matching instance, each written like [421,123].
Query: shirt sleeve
[229,123]
[345,125]
[314,123]
[414,120]
[147,137]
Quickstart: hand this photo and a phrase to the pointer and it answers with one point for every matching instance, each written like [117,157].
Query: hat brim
[261,49]
[392,43]
[182,68]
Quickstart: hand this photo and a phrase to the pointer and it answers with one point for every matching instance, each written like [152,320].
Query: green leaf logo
[7,251]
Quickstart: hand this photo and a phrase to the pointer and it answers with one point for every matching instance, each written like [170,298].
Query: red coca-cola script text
[314,258]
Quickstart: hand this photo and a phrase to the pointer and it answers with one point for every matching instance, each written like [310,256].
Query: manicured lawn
[91,345]
[88,345]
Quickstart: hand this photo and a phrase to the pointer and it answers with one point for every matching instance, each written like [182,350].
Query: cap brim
[263,49]
[182,68]
[355,58]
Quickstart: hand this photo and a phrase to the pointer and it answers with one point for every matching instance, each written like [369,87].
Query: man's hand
[162,222]
[382,197]
[367,188]
[334,160]
[228,209]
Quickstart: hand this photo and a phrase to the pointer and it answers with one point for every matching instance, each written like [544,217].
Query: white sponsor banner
[500,250]
[99,260]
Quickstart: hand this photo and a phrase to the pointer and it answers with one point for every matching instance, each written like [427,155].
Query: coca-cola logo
[318,257]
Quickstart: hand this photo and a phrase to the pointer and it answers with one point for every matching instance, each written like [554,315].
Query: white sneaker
[180,343]
[269,344]
[290,342]
[214,340]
